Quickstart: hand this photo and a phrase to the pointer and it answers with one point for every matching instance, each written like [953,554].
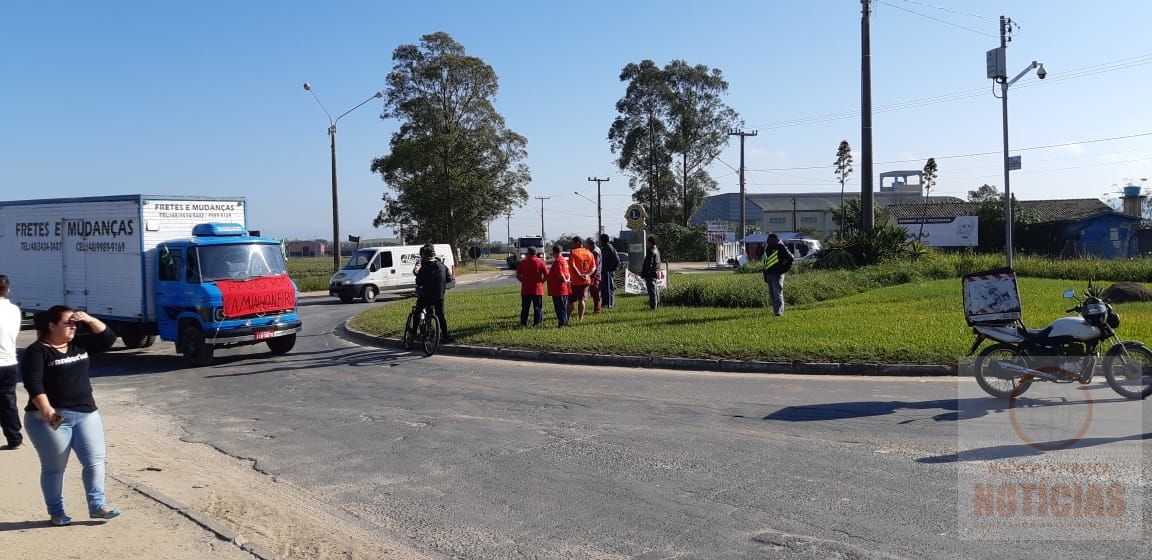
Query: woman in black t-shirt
[61,415]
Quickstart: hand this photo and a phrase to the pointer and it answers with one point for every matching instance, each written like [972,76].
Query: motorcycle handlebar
[1074,309]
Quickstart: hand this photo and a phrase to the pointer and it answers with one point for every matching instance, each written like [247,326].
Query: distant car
[803,249]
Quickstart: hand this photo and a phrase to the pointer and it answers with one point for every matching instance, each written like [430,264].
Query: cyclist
[430,284]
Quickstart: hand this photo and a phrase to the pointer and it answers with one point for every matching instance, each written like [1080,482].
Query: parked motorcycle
[1065,351]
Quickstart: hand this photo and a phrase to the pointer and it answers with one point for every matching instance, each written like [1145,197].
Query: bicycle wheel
[1128,368]
[431,336]
[410,330]
[997,381]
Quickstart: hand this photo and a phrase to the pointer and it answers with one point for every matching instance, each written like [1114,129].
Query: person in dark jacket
[611,262]
[777,263]
[431,281]
[650,272]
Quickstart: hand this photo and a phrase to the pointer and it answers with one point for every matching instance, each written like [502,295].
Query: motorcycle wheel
[995,381]
[1128,368]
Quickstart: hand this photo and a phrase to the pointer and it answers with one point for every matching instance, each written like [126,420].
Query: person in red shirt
[558,285]
[582,265]
[531,273]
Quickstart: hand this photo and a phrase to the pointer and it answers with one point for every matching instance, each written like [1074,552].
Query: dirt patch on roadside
[145,447]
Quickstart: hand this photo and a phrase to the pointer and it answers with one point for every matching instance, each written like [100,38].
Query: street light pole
[335,193]
[599,216]
[997,63]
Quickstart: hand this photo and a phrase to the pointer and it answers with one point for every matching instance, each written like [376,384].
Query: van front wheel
[369,294]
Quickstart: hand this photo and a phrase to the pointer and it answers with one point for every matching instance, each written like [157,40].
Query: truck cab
[223,288]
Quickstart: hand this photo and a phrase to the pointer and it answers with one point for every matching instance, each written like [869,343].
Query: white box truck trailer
[179,267]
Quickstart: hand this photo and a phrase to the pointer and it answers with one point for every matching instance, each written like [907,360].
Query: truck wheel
[346,299]
[194,348]
[282,344]
[133,340]
[369,294]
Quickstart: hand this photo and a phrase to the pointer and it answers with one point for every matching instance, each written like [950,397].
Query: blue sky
[206,98]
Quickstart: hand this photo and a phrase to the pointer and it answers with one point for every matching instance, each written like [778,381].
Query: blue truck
[181,268]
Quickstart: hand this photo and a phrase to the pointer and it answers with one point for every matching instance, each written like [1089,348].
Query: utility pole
[599,213]
[867,214]
[1005,28]
[542,199]
[743,202]
[509,223]
[795,225]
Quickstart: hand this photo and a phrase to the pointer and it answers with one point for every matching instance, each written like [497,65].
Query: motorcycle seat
[1034,334]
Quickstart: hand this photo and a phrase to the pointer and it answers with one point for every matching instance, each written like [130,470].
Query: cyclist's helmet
[427,252]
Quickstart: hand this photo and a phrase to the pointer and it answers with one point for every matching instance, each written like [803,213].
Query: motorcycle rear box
[991,297]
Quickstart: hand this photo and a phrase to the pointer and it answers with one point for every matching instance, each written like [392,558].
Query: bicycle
[422,325]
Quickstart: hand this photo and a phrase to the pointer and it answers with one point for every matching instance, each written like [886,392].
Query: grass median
[913,323]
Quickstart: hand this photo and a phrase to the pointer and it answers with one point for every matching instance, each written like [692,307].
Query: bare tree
[843,170]
[929,181]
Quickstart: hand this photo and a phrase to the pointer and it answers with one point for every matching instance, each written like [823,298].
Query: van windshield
[359,260]
[235,262]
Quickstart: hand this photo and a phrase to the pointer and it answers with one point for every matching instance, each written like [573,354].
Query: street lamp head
[380,94]
[307,86]
[1040,71]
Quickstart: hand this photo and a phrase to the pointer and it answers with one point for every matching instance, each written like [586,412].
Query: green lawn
[919,323]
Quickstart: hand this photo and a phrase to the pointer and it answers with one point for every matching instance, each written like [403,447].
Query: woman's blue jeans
[82,432]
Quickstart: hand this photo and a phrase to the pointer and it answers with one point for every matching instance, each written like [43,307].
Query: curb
[660,362]
[221,531]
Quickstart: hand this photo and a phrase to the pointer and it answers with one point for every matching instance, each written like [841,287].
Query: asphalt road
[489,459]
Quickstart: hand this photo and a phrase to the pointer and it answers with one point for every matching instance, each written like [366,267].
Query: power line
[951,10]
[974,154]
[934,19]
[1112,66]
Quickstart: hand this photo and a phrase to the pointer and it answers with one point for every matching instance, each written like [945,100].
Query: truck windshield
[235,262]
[359,260]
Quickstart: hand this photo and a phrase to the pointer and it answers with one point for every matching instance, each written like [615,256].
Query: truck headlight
[212,314]
[347,282]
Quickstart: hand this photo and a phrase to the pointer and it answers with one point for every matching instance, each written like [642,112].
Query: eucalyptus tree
[639,135]
[453,164]
[699,123]
[670,126]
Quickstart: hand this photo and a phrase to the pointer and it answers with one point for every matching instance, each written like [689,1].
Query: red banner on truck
[260,295]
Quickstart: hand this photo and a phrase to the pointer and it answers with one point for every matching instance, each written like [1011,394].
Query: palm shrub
[860,248]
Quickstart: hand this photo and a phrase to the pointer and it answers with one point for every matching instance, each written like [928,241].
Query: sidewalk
[146,529]
[181,501]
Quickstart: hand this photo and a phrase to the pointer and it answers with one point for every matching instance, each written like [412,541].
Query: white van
[802,249]
[372,270]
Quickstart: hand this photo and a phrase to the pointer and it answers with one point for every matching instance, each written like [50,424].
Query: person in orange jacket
[582,265]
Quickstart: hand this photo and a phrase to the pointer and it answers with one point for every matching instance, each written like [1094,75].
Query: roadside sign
[475,252]
[1014,163]
[717,227]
